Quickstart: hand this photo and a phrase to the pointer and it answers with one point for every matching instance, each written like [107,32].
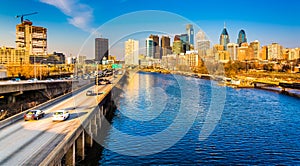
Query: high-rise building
[274,51]
[131,52]
[224,38]
[232,48]
[31,38]
[165,46]
[185,46]
[156,46]
[149,48]
[256,49]
[203,44]
[190,33]
[101,49]
[241,38]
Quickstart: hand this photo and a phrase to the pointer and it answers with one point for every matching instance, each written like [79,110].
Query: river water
[167,119]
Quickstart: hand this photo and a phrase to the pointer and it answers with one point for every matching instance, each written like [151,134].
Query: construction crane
[22,16]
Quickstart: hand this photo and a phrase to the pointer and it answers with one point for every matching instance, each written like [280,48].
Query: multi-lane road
[29,142]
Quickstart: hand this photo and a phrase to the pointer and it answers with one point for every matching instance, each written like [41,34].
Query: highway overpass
[44,142]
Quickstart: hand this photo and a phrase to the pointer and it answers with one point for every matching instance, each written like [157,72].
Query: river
[167,119]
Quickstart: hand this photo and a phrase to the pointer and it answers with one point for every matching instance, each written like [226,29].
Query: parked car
[34,115]
[60,115]
[90,93]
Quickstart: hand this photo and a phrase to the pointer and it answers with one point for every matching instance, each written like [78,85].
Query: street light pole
[41,68]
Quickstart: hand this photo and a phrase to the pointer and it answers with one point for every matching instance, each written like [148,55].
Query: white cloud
[81,15]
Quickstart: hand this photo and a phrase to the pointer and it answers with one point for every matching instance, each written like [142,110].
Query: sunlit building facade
[13,56]
[31,38]
[232,49]
[131,52]
[275,51]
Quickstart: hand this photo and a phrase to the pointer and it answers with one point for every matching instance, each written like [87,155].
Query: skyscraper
[156,46]
[101,49]
[32,38]
[185,46]
[203,44]
[224,38]
[131,52]
[190,33]
[241,38]
[165,45]
[149,48]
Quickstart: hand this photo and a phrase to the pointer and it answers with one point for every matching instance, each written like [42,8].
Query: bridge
[44,142]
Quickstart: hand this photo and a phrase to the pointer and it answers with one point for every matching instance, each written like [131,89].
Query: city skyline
[70,22]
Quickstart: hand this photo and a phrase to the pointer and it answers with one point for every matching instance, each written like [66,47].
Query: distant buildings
[202,43]
[101,49]
[241,38]
[255,46]
[224,38]
[156,47]
[275,51]
[149,48]
[13,56]
[232,49]
[190,33]
[132,52]
[165,45]
[31,38]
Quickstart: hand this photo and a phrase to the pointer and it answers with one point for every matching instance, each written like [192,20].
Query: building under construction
[31,38]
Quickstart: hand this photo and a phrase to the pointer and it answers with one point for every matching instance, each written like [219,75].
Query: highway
[29,142]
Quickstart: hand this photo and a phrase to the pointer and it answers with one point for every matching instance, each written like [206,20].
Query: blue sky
[71,22]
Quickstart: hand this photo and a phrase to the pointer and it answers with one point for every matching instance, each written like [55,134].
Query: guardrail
[19,116]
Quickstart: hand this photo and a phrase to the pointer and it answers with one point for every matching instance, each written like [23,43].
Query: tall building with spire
[190,33]
[224,38]
[241,38]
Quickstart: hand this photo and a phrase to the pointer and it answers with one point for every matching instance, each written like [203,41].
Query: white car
[60,115]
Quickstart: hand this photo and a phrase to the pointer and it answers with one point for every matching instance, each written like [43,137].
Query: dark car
[34,115]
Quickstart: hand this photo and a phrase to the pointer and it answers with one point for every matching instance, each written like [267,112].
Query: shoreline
[235,86]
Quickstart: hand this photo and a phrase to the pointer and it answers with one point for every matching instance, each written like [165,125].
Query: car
[34,115]
[60,115]
[15,80]
[90,93]
[32,80]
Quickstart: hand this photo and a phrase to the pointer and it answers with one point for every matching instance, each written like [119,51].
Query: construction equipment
[22,16]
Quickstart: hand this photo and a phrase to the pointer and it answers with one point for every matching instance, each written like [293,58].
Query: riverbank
[243,80]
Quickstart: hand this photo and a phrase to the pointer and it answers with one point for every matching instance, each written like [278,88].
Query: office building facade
[131,52]
[101,49]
